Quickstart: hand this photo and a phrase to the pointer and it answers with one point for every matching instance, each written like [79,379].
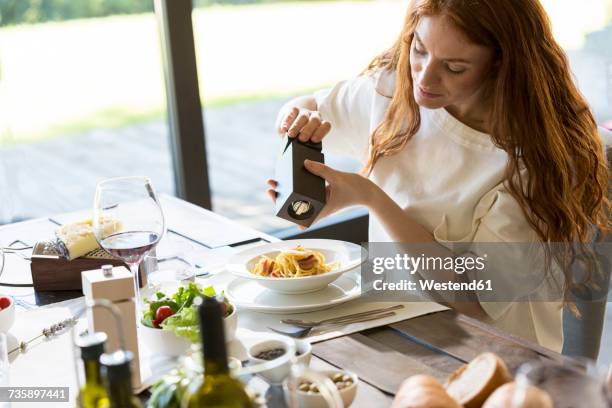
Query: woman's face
[447,69]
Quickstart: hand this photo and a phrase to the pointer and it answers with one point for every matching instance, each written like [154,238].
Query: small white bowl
[276,375]
[165,342]
[348,255]
[7,316]
[309,400]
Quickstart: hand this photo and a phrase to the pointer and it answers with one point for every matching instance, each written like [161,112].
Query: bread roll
[472,384]
[503,398]
[423,391]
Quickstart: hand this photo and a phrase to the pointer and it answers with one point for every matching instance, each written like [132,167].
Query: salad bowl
[169,324]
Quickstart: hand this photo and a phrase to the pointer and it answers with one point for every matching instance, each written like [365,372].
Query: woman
[470,129]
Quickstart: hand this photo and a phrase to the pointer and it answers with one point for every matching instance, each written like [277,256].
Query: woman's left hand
[343,189]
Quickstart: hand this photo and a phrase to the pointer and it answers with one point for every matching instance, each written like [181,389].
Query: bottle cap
[91,345]
[107,270]
[116,366]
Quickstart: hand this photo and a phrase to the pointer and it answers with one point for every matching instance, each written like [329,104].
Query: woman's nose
[428,76]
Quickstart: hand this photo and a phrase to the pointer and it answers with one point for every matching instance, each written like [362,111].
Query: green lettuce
[184,321]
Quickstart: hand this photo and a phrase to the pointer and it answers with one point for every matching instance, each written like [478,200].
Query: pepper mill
[301,194]
[115,284]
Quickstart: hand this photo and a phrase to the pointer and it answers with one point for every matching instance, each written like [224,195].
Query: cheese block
[471,384]
[79,239]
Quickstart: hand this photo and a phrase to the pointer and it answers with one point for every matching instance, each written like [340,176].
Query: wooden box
[52,272]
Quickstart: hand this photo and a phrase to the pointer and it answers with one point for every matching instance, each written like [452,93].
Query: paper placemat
[258,322]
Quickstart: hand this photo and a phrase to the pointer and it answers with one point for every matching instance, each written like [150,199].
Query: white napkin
[47,362]
[259,322]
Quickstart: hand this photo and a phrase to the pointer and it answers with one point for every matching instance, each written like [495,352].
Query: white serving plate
[249,294]
[349,256]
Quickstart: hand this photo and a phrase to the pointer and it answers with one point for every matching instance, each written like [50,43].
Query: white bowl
[276,375]
[310,400]
[165,342]
[348,255]
[7,316]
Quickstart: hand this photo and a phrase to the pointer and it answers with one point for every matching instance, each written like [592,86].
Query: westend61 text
[430,284]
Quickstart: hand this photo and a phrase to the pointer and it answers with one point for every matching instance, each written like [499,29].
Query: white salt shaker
[115,284]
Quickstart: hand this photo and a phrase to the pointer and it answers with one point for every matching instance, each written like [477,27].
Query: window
[82,98]
[584,30]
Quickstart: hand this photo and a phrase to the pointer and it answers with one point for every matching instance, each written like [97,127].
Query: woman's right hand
[304,124]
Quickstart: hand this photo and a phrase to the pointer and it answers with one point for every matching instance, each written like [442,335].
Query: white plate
[348,255]
[248,294]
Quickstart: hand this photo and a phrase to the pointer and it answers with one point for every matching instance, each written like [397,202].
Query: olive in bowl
[308,395]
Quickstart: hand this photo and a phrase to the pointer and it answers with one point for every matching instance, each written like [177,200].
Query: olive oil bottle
[118,379]
[218,388]
[92,394]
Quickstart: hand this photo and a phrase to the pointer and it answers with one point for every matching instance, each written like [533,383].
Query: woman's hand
[305,124]
[343,189]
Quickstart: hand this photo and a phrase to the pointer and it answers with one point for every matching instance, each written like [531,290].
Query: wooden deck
[60,175]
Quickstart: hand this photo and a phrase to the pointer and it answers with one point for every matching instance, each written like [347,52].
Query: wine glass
[128,221]
[568,384]
[1,260]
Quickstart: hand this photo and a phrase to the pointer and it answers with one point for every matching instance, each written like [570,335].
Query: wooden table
[383,357]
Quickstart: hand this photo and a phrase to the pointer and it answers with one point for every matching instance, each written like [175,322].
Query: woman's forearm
[399,225]
[403,228]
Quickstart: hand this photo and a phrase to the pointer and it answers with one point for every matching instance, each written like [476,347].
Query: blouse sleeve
[348,107]
[515,257]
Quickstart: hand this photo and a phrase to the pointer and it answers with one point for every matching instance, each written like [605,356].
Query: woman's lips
[426,94]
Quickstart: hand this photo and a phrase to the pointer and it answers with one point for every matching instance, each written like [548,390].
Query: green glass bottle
[92,394]
[118,379]
[218,388]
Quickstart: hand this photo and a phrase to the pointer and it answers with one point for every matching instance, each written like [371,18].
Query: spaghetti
[293,263]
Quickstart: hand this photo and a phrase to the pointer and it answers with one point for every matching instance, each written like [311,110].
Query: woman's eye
[419,51]
[455,70]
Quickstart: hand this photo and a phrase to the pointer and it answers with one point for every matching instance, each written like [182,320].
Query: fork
[299,331]
[339,319]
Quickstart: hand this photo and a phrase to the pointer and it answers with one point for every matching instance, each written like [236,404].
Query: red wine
[130,246]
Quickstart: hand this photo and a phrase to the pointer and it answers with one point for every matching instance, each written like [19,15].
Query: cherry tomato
[162,313]
[4,302]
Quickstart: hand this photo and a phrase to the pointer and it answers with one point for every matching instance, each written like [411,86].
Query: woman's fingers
[272,194]
[309,129]
[272,190]
[321,131]
[319,169]
[299,123]
[304,124]
[289,119]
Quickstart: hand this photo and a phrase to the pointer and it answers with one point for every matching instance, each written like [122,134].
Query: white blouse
[448,178]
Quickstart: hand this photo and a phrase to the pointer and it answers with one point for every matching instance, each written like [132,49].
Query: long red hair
[538,116]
